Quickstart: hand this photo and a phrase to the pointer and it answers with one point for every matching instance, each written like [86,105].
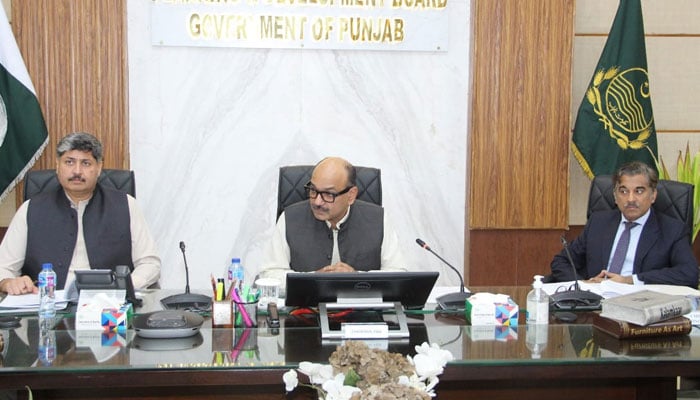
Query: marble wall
[209,128]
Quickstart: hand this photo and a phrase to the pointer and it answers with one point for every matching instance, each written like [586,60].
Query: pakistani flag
[23,134]
[615,123]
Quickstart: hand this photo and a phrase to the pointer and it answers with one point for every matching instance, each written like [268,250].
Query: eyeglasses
[328,197]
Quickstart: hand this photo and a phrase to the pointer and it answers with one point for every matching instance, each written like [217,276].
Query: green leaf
[688,171]
[351,378]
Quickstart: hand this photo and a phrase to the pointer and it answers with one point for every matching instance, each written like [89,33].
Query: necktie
[621,250]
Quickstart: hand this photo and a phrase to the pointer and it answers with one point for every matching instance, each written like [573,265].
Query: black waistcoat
[52,229]
[359,238]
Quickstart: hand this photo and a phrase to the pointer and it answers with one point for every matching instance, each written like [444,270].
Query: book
[643,347]
[646,307]
[694,317]
[625,330]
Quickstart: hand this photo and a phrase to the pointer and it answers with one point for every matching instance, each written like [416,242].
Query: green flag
[23,134]
[615,122]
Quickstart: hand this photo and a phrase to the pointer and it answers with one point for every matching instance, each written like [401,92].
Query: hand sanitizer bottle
[537,310]
[536,339]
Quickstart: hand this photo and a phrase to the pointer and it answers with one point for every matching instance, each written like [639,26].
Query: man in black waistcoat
[333,231]
[81,225]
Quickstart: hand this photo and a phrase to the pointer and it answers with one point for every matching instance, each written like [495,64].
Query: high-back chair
[42,180]
[292,179]
[674,199]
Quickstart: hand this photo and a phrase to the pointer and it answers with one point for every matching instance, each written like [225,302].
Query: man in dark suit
[654,250]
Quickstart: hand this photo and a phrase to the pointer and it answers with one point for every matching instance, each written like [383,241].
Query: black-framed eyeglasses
[328,197]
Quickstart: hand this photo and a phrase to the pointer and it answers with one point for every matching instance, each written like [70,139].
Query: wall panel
[518,199]
[75,52]
[520,114]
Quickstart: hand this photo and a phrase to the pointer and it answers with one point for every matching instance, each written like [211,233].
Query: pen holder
[245,346]
[221,314]
[246,314]
[221,340]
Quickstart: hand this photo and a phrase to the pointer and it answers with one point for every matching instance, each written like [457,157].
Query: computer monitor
[411,289]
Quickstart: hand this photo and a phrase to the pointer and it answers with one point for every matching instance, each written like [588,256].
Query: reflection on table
[222,357]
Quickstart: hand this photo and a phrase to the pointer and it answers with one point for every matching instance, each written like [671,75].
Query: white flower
[430,388]
[426,366]
[290,380]
[335,390]
[317,373]
[430,361]
[412,381]
[435,352]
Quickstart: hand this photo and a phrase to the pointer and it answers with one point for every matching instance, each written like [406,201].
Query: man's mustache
[632,204]
[77,178]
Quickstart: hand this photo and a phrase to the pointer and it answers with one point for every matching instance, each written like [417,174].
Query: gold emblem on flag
[626,111]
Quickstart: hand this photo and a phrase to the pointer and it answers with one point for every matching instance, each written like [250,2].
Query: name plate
[372,330]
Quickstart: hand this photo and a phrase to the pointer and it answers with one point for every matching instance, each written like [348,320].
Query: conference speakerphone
[168,324]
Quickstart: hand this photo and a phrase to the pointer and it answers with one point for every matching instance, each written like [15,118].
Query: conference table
[557,361]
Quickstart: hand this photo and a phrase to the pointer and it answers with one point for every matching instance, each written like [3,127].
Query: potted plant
[688,171]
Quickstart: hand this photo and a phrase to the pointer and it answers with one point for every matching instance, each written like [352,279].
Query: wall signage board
[398,25]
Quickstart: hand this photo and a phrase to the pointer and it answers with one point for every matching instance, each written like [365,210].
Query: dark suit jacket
[664,254]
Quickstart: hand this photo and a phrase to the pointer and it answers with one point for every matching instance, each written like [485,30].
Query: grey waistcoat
[52,229]
[359,239]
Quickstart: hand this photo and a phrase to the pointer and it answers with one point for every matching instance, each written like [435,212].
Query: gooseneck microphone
[574,299]
[187,270]
[571,261]
[187,300]
[449,301]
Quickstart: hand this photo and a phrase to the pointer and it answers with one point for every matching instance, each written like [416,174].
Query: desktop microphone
[449,301]
[187,300]
[565,244]
[187,270]
[575,299]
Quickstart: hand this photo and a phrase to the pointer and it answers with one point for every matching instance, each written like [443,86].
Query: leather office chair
[292,179]
[38,181]
[674,199]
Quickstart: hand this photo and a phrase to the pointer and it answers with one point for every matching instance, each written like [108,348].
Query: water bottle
[537,309]
[235,272]
[47,342]
[47,292]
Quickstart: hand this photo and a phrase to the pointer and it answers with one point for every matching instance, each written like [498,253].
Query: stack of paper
[30,302]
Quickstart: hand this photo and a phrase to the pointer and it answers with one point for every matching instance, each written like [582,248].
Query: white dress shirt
[144,254]
[635,233]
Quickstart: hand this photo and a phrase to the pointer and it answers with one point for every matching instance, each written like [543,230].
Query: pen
[244,296]
[243,312]
[220,290]
[230,290]
[213,286]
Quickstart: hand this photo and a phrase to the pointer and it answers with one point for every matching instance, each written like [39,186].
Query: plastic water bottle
[235,272]
[47,343]
[537,303]
[47,292]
